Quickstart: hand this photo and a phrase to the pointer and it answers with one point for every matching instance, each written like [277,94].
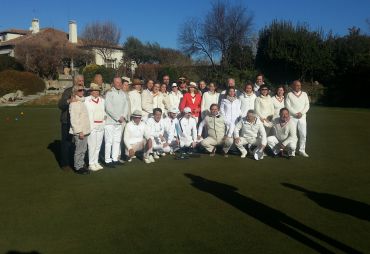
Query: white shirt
[135,100]
[174,99]
[96,111]
[297,103]
[279,103]
[285,132]
[156,129]
[231,112]
[264,106]
[207,100]
[116,106]
[135,133]
[188,128]
[171,129]
[246,103]
[250,131]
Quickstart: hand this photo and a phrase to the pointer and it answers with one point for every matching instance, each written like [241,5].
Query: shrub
[90,70]
[11,81]
[9,63]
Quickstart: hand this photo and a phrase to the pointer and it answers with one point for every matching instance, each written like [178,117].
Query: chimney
[35,26]
[72,31]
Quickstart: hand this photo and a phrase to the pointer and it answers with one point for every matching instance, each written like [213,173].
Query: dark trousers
[66,146]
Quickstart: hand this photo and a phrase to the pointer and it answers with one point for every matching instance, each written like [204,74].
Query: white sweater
[231,112]
[171,129]
[264,106]
[246,102]
[207,100]
[188,128]
[158,102]
[147,102]
[135,133]
[297,103]
[96,111]
[278,104]
[135,100]
[174,99]
[116,106]
[250,131]
[285,133]
[79,117]
[155,128]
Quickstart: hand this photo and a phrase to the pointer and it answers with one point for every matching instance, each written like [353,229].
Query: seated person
[156,127]
[250,131]
[216,129]
[284,135]
[137,138]
[170,133]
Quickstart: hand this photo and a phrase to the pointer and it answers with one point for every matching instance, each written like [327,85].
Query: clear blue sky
[159,21]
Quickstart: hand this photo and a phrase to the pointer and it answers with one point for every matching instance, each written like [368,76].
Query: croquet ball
[16,119]
[22,113]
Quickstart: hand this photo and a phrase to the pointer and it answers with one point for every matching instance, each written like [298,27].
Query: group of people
[158,118]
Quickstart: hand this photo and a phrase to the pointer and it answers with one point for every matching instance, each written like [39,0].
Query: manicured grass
[201,205]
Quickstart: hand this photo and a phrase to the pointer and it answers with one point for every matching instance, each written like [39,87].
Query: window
[110,63]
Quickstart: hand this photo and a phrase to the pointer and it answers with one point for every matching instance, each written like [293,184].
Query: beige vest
[215,127]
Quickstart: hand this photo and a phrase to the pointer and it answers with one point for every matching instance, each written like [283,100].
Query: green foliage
[9,63]
[90,70]
[12,80]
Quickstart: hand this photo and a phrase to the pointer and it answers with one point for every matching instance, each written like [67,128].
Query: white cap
[173,85]
[173,110]
[193,84]
[187,110]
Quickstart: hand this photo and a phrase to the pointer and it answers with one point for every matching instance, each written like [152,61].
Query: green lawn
[201,205]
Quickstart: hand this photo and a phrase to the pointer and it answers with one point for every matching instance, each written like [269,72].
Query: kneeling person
[250,131]
[137,138]
[284,136]
[188,130]
[216,129]
[156,126]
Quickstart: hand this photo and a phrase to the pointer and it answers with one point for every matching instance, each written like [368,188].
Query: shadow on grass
[335,203]
[268,215]
[55,148]
[22,252]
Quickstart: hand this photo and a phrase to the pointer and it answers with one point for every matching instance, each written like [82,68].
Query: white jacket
[174,99]
[246,103]
[207,100]
[135,100]
[297,103]
[116,106]
[156,129]
[231,112]
[250,131]
[172,125]
[79,118]
[96,111]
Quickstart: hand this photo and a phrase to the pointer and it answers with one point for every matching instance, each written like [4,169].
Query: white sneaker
[147,160]
[244,154]
[304,154]
[98,166]
[151,158]
[129,160]
[163,154]
[156,156]
[93,168]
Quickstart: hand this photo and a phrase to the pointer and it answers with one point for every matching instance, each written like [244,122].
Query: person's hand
[194,144]
[81,136]
[177,141]
[263,120]
[199,137]
[262,147]
[224,138]
[299,115]
[282,146]
[121,119]
[165,145]
[131,152]
[237,140]
[162,138]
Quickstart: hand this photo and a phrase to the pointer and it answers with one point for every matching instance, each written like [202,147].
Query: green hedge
[9,63]
[11,81]
[90,70]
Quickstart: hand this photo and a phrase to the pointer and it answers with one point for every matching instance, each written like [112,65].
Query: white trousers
[94,141]
[272,142]
[112,138]
[301,125]
[245,141]
[158,145]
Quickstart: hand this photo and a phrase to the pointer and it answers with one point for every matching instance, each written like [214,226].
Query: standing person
[284,135]
[96,110]
[165,96]
[264,108]
[210,97]
[66,138]
[202,87]
[174,97]
[158,99]
[230,110]
[188,131]
[230,84]
[183,86]
[193,100]
[156,127]
[116,108]
[135,95]
[278,101]
[247,98]
[298,105]
[216,129]
[147,99]
[98,79]
[80,128]
[125,90]
[259,82]
[137,138]
[166,81]
[250,131]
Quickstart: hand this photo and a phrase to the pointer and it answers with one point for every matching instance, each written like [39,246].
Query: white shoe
[98,166]
[129,160]
[147,160]
[93,168]
[304,154]
[163,154]
[151,158]
[244,154]
[156,156]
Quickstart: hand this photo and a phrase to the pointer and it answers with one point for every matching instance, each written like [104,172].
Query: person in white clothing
[188,131]
[165,99]
[247,99]
[95,108]
[278,101]
[137,138]
[156,127]
[298,105]
[147,99]
[250,131]
[210,97]
[174,97]
[259,82]
[172,125]
[284,135]
[230,84]
[264,108]
[116,108]
[158,99]
[135,95]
